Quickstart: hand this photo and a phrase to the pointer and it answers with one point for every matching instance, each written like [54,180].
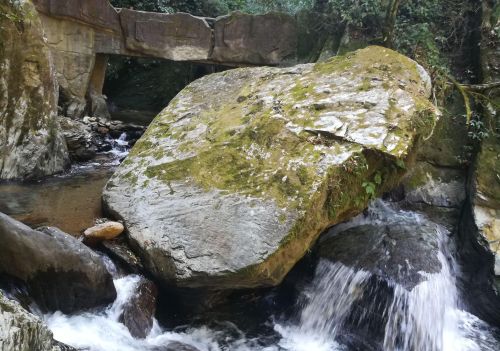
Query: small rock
[139,311]
[104,231]
[102,130]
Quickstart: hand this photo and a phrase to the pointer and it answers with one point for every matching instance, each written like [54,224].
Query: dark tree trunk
[320,6]
[390,21]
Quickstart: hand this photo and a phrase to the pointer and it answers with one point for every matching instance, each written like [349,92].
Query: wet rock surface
[79,139]
[480,222]
[139,311]
[60,272]
[234,180]
[485,195]
[91,135]
[120,250]
[399,253]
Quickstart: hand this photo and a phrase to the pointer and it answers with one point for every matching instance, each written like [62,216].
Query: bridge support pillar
[98,74]
[97,101]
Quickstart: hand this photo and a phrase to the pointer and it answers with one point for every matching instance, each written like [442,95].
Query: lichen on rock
[236,178]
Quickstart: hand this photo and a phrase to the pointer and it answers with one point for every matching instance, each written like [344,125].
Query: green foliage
[359,13]
[14,12]
[371,187]
[419,42]
[146,5]
[216,7]
[401,164]
[263,6]
[478,130]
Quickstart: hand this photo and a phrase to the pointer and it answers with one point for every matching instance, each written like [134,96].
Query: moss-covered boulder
[237,177]
[30,141]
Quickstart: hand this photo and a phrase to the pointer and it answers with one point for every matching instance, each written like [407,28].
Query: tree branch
[481,87]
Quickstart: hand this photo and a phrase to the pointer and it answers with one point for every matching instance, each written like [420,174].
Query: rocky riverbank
[321,206]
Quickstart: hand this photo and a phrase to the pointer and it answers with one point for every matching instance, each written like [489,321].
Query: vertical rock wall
[486,179]
[30,142]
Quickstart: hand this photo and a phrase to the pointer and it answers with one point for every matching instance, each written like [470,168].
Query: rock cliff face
[485,190]
[30,141]
[236,178]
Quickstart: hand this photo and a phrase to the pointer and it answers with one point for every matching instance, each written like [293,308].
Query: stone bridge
[81,35]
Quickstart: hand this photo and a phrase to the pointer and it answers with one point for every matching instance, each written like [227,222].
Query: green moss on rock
[308,146]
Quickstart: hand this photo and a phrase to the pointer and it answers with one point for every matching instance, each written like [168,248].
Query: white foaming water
[120,148]
[331,296]
[102,331]
[427,318]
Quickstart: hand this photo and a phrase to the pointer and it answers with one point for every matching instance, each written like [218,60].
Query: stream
[340,308]
[429,317]
[70,201]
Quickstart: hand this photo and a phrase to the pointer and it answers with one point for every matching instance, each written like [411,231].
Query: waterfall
[120,146]
[101,330]
[339,302]
[429,317]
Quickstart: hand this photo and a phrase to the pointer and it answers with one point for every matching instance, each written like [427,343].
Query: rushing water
[339,300]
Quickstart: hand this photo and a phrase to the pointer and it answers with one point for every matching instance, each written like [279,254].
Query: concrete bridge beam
[81,32]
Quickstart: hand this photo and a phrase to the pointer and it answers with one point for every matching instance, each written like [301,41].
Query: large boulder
[23,331]
[236,178]
[61,273]
[30,141]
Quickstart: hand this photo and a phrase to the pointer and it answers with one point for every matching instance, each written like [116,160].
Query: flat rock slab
[98,13]
[178,37]
[236,178]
